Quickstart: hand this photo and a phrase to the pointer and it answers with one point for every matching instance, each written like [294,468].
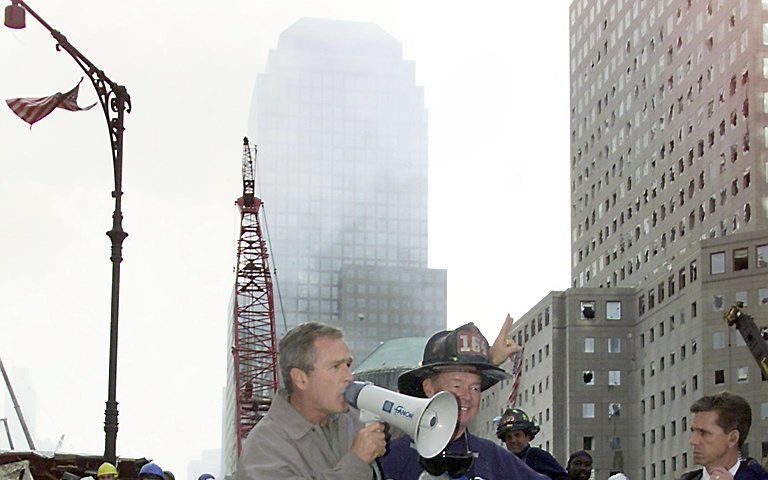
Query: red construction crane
[254,346]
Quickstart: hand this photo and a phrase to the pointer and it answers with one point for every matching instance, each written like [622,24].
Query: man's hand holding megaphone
[370,442]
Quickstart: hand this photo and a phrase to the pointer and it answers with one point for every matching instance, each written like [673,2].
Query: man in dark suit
[719,428]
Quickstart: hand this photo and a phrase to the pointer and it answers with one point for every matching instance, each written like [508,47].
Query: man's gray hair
[297,348]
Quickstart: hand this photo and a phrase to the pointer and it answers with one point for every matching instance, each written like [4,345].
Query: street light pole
[115,102]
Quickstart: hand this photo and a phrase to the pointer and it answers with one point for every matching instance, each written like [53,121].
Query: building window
[588,410]
[717,263]
[587,310]
[614,377]
[740,259]
[763,296]
[742,374]
[719,377]
[717,302]
[681,278]
[742,297]
[764,411]
[589,377]
[695,382]
[589,345]
[613,310]
[615,443]
[588,441]
[762,256]
[718,340]
[694,274]
[614,345]
[614,410]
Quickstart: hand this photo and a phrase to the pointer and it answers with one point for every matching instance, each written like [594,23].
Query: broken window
[740,259]
[762,256]
[742,374]
[719,377]
[587,309]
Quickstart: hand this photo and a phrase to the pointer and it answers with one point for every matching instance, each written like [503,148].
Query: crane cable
[269,240]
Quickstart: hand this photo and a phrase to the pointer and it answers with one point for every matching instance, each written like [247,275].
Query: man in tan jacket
[309,432]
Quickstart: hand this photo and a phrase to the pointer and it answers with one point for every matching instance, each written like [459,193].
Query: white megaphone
[430,422]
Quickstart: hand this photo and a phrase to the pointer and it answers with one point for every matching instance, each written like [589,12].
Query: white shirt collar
[733,470]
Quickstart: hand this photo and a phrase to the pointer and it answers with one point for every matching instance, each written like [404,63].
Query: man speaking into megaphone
[310,431]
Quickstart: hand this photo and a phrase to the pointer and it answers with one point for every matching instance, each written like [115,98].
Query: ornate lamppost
[115,102]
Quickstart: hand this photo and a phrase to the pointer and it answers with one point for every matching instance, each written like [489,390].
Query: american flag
[517,369]
[32,110]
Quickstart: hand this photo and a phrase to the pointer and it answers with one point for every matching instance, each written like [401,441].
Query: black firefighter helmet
[516,419]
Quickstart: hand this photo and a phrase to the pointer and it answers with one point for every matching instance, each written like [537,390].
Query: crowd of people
[148,471]
[311,433]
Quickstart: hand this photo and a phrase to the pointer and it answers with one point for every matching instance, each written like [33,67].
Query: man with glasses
[459,362]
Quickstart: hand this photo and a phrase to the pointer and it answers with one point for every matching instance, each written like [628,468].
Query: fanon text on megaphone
[430,422]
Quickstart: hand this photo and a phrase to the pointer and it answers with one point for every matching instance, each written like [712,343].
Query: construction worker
[151,471]
[107,471]
[517,430]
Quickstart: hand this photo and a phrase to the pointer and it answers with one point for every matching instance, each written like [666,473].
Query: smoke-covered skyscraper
[341,129]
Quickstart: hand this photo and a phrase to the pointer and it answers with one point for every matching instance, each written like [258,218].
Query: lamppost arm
[112,96]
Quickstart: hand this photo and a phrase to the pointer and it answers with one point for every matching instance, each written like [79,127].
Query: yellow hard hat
[107,468]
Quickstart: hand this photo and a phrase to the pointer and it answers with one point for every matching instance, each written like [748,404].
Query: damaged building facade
[669,228]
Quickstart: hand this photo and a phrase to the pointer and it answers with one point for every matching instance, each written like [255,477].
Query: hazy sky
[496,82]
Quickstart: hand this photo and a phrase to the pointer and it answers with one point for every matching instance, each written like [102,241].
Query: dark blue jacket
[749,470]
[544,463]
[492,461]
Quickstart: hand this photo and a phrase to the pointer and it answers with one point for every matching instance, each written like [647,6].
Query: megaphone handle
[368,418]
[377,470]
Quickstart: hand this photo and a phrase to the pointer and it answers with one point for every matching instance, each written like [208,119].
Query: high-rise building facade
[669,228]
[341,130]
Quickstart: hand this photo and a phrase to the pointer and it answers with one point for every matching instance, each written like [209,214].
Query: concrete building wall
[668,152]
